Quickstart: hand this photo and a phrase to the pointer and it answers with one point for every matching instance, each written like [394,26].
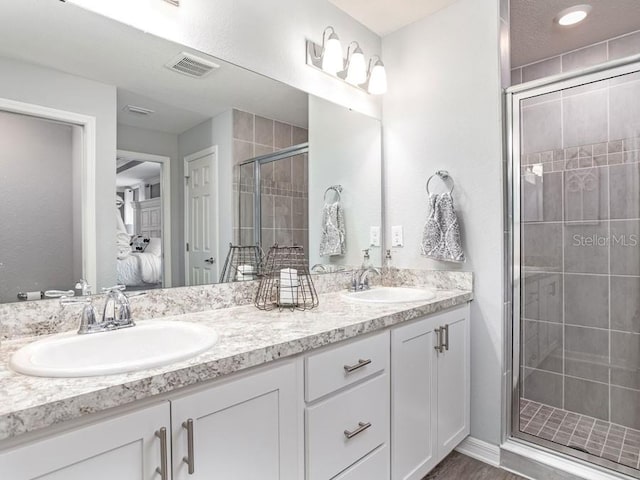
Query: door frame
[213,149]
[87,124]
[165,194]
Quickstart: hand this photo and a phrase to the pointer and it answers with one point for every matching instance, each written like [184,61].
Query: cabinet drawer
[374,466]
[327,371]
[329,451]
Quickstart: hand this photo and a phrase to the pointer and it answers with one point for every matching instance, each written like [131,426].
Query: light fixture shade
[357,68]
[573,15]
[332,61]
[378,79]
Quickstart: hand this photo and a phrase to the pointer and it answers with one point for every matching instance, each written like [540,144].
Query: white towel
[441,237]
[333,236]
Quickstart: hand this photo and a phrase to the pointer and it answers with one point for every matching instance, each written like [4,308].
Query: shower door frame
[511,409]
[281,154]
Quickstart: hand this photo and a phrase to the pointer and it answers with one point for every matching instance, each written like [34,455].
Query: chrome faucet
[116,313]
[360,278]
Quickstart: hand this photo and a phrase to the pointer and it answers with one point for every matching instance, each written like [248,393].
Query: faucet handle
[115,288]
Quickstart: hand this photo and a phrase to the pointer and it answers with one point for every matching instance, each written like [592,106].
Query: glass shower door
[578,279]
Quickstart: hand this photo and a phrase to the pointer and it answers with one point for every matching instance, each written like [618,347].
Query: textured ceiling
[535,35]
[386,16]
[67,38]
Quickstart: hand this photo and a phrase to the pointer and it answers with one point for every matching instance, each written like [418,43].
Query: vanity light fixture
[355,71]
[573,15]
[331,52]
[377,77]
[328,58]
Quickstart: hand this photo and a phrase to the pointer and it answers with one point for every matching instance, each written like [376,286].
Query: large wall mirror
[129,159]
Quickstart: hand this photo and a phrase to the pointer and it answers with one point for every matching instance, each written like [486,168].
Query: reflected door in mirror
[201,262]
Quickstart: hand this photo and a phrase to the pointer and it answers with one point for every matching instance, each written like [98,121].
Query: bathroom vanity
[347,391]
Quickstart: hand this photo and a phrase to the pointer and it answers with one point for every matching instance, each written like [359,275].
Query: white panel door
[453,381]
[201,215]
[123,448]
[245,429]
[413,400]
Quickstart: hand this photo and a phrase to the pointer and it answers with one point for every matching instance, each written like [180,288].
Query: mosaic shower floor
[597,437]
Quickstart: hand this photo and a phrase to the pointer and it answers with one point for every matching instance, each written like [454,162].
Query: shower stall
[574,203]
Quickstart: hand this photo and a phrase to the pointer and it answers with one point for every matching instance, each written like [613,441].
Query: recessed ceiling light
[572,15]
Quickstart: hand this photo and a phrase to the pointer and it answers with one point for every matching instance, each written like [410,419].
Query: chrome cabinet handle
[163,469]
[362,426]
[438,332]
[189,460]
[445,344]
[361,363]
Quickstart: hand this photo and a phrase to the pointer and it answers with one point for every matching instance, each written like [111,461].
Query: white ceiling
[65,37]
[535,35]
[138,174]
[386,16]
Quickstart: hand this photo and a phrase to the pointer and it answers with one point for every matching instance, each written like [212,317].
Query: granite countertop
[248,337]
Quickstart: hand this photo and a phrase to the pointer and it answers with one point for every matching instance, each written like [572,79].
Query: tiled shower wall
[581,250]
[284,183]
[595,54]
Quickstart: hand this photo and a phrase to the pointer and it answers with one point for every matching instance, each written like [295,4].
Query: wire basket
[285,282]
[243,263]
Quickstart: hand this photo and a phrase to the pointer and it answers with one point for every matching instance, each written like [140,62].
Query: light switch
[397,237]
[374,236]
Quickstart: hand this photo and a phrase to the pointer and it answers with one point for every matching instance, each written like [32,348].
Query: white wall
[264,36]
[28,83]
[217,131]
[443,111]
[345,148]
[36,194]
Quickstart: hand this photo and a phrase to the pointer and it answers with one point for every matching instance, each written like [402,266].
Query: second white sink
[390,295]
[149,344]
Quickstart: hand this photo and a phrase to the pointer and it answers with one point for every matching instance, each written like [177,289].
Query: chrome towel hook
[444,176]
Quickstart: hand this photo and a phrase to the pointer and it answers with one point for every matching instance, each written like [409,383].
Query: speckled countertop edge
[247,338]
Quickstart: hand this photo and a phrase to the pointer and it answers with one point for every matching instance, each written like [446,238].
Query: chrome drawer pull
[189,460]
[361,363]
[445,344]
[439,348]
[163,468]
[361,428]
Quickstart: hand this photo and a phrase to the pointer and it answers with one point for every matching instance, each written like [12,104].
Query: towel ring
[444,176]
[336,188]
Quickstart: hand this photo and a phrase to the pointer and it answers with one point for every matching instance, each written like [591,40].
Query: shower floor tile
[597,437]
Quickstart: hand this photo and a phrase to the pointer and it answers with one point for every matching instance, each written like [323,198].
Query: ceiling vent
[173,2]
[191,65]
[138,110]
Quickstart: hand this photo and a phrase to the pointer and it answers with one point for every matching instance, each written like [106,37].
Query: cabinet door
[453,382]
[123,448]
[413,400]
[243,429]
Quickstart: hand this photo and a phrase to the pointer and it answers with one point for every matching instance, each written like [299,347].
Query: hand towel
[333,236]
[441,237]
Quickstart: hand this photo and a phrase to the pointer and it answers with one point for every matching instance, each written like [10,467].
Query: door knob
[210,260]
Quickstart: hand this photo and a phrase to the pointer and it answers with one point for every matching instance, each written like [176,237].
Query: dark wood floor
[460,467]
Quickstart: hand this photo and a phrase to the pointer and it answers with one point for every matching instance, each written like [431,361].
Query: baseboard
[480,450]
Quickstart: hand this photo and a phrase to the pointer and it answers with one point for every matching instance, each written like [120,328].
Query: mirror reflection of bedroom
[139,233]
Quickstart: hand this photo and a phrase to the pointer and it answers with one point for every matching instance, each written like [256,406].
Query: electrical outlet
[397,237]
[374,236]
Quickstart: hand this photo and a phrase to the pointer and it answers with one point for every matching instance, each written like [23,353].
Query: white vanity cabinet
[241,429]
[430,385]
[125,447]
[347,410]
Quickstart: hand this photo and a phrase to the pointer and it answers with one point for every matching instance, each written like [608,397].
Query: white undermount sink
[390,295]
[150,343]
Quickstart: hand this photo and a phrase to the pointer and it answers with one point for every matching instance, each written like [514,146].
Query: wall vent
[138,110]
[191,65]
